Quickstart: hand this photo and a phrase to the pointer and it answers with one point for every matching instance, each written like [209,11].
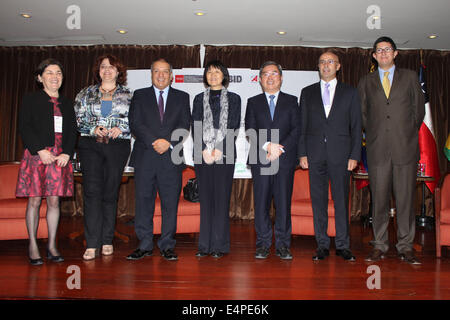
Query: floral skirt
[36,179]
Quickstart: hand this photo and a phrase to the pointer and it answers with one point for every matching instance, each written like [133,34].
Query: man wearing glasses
[330,147]
[273,117]
[392,105]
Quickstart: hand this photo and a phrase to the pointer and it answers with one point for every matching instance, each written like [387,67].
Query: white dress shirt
[332,90]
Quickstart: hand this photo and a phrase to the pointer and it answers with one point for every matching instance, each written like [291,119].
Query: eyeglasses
[105,67]
[387,50]
[330,61]
[273,73]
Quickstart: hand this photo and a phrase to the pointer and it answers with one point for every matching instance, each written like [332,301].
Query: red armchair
[301,207]
[188,217]
[12,209]
[442,215]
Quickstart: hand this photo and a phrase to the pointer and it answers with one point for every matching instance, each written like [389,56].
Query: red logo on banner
[179,78]
[255,79]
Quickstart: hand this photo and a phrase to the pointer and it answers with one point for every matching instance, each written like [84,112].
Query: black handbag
[190,190]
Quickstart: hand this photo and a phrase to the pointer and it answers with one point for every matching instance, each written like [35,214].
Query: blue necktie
[161,105]
[272,105]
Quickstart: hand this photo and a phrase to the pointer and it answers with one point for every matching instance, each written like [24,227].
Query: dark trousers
[215,182]
[401,179]
[320,173]
[102,167]
[278,186]
[158,175]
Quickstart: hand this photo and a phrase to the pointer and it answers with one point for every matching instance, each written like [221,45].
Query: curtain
[17,77]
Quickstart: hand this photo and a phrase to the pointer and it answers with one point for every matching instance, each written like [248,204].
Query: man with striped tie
[392,105]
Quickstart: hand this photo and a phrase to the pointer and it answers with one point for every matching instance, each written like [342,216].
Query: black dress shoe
[201,254]
[54,258]
[284,253]
[346,254]
[262,253]
[217,254]
[36,262]
[139,254]
[321,253]
[408,256]
[169,255]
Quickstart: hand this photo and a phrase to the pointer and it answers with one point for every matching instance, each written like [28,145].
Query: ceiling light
[25,15]
[432,36]
[281,33]
[376,17]
[199,13]
[122,31]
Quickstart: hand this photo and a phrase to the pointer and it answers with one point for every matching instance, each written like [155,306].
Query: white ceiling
[319,23]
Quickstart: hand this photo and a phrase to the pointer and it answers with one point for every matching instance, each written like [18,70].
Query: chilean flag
[427,141]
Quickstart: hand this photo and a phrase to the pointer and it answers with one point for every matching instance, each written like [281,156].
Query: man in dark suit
[330,146]
[155,112]
[272,124]
[392,104]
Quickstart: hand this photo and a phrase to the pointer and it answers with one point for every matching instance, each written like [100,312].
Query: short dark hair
[218,65]
[384,39]
[270,63]
[114,61]
[161,60]
[43,65]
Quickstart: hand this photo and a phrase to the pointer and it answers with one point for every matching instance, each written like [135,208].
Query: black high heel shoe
[54,258]
[36,262]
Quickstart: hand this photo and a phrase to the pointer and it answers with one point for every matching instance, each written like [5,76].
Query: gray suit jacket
[392,125]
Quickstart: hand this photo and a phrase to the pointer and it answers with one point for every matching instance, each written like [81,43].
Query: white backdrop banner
[244,82]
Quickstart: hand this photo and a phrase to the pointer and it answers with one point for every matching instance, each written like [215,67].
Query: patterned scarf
[212,136]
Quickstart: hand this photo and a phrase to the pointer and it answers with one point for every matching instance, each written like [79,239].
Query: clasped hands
[48,158]
[274,151]
[112,133]
[211,156]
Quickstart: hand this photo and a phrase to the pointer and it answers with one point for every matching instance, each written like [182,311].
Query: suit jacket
[341,130]
[36,123]
[286,119]
[392,125]
[146,126]
[234,117]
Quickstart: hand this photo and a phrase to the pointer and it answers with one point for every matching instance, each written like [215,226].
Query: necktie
[386,84]
[161,105]
[272,105]
[326,95]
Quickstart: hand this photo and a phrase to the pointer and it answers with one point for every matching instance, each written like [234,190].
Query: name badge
[58,124]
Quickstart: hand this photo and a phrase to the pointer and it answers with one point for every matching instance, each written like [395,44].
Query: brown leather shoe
[408,256]
[375,255]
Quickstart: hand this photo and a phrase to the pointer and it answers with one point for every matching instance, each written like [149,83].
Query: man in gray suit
[393,108]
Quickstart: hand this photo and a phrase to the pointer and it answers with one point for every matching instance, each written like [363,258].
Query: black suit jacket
[286,120]
[146,126]
[234,117]
[36,123]
[341,130]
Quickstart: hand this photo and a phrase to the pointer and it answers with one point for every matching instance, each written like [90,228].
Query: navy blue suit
[329,143]
[280,183]
[156,172]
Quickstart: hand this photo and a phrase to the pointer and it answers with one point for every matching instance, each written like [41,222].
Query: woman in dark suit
[216,115]
[48,130]
[104,146]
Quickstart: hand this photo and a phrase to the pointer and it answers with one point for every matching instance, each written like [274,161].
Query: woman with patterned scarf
[216,117]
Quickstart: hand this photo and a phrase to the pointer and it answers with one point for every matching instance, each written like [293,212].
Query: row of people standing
[324,132]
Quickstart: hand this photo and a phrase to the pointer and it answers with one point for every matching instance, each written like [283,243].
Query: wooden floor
[237,276]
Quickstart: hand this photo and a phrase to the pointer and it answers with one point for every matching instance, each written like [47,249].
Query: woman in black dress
[216,115]
[48,130]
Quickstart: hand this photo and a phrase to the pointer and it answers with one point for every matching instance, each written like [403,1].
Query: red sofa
[442,215]
[12,209]
[188,220]
[301,208]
